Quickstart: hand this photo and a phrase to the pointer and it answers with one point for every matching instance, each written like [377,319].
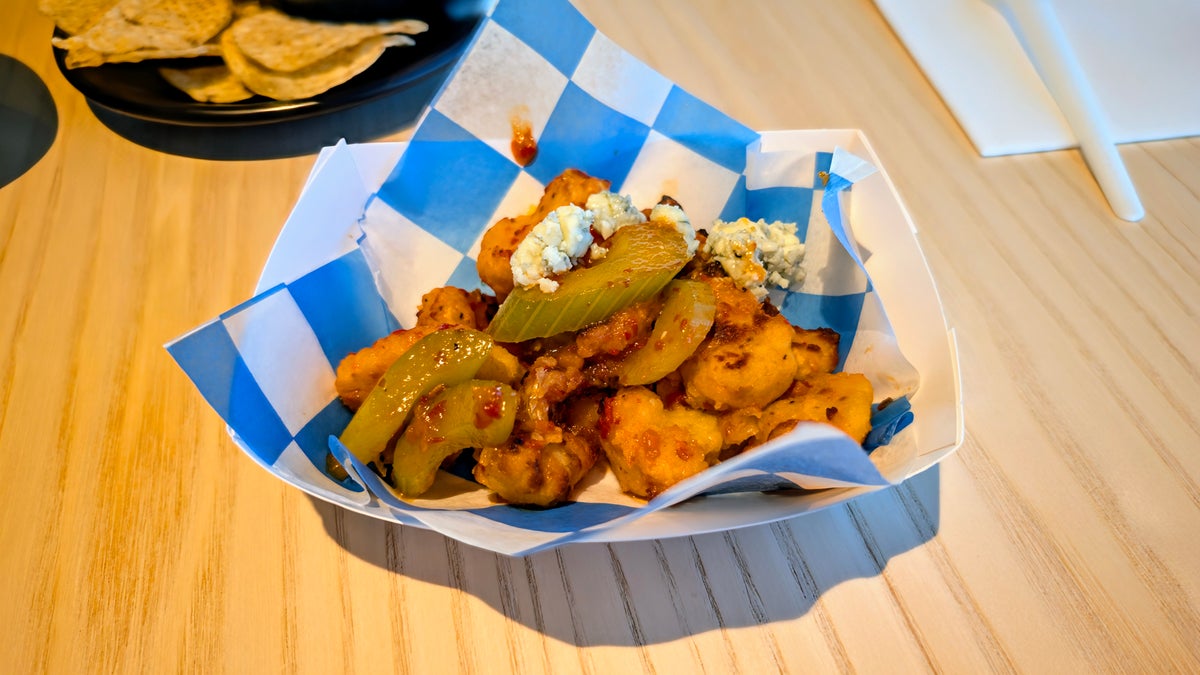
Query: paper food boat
[378,225]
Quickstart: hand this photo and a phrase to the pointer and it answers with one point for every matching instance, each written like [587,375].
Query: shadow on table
[290,138]
[650,592]
[28,119]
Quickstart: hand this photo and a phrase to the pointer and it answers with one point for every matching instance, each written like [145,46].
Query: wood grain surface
[1063,537]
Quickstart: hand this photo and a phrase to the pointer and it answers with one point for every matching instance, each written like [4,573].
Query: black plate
[137,90]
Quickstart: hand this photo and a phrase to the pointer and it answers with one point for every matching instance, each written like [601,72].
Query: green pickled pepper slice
[687,314]
[474,414]
[444,357]
[640,261]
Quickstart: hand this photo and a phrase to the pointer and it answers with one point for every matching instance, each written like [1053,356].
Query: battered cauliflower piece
[747,359]
[502,239]
[840,399]
[651,448]
[528,472]
[453,306]
[550,380]
[738,426]
[816,351]
[620,331]
[554,443]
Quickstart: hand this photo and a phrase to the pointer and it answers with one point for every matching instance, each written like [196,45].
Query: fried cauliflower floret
[532,473]
[739,425]
[621,330]
[453,306]
[651,448]
[550,380]
[747,359]
[816,351]
[501,239]
[840,399]
[736,307]
[359,371]
[554,444]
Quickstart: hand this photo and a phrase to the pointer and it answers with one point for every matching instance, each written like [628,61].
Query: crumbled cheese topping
[557,243]
[757,253]
[612,212]
[552,246]
[675,217]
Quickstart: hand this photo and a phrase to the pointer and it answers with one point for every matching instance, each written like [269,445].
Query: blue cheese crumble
[553,246]
[757,253]
[675,217]
[612,212]
[560,241]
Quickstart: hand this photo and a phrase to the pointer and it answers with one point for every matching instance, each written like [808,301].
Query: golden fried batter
[736,307]
[651,448]
[746,361]
[816,351]
[525,471]
[739,425]
[840,399]
[501,239]
[550,380]
[528,471]
[619,331]
[454,306]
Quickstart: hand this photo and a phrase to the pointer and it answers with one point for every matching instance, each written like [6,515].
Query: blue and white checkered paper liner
[267,366]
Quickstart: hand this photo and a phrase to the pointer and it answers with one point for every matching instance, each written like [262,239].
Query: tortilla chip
[197,21]
[207,84]
[137,30]
[286,44]
[316,78]
[245,8]
[113,34]
[83,57]
[75,16]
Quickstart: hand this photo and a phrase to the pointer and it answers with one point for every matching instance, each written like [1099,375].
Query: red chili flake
[488,409]
[492,408]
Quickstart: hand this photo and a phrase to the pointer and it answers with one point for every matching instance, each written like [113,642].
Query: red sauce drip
[488,409]
[607,419]
[673,398]
[524,146]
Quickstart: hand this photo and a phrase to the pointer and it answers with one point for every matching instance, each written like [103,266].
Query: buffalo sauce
[489,406]
[524,145]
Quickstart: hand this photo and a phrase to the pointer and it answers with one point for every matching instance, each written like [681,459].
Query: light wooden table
[1063,537]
